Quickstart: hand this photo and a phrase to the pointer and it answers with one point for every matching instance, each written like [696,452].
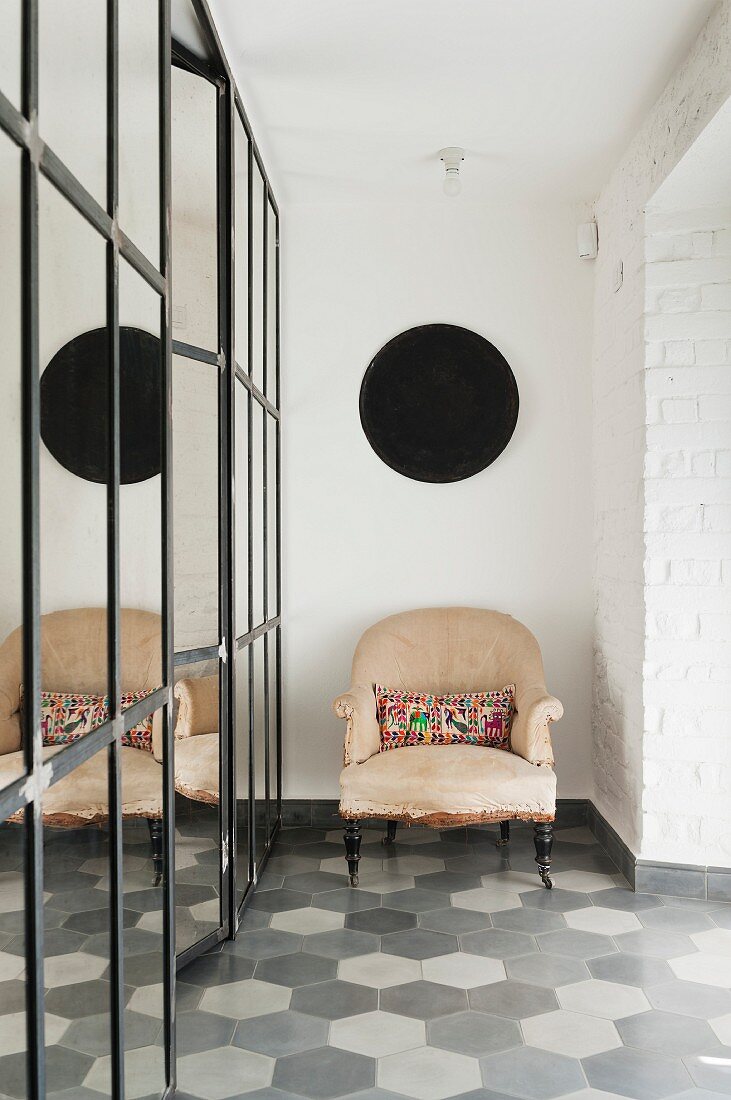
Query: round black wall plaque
[75,405]
[438,403]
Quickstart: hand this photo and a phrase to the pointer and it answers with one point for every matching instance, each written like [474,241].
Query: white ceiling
[353,99]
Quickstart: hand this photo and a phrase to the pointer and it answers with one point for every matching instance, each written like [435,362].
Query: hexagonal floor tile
[607,922]
[379,971]
[586,881]
[711,1070]
[423,1000]
[279,901]
[704,968]
[265,943]
[385,882]
[531,921]
[608,1000]
[335,999]
[429,1073]
[636,1073]
[463,971]
[343,943]
[474,1034]
[380,922]
[296,969]
[92,1034]
[487,899]
[242,1000]
[144,1069]
[454,921]
[671,919]
[571,1033]
[578,944]
[516,1000]
[722,1029]
[690,999]
[656,945]
[226,1072]
[306,921]
[64,970]
[533,1074]
[413,865]
[619,897]
[418,943]
[417,900]
[636,970]
[346,901]
[549,970]
[281,1033]
[556,900]
[377,1034]
[316,882]
[717,941]
[666,1033]
[324,1073]
[13,1034]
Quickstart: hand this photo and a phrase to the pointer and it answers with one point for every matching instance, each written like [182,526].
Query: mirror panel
[272,389]
[257,276]
[241,502]
[13,1041]
[261,750]
[241,244]
[272,437]
[243,853]
[139,125]
[257,511]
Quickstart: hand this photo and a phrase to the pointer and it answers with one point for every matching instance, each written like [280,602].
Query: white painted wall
[354,276]
[694,94]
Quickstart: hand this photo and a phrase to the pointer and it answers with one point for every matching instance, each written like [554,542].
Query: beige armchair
[443,650]
[197,748]
[74,658]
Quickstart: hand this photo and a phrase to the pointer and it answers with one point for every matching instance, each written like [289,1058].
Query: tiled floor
[450,972]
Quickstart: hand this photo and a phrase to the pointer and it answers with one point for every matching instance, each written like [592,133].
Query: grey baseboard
[673,879]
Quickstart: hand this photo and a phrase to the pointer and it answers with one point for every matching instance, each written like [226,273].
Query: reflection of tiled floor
[77,952]
[450,972]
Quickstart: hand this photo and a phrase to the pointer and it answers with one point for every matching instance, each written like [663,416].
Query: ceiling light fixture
[452,157]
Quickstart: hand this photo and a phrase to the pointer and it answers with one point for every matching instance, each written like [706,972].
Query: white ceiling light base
[452,157]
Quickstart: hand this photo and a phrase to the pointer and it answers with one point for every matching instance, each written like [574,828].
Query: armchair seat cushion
[448,784]
[197,768]
[82,797]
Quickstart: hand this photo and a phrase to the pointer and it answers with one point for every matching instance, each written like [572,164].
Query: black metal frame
[25,794]
[231,113]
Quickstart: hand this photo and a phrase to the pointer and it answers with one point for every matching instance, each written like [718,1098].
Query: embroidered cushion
[469,718]
[66,716]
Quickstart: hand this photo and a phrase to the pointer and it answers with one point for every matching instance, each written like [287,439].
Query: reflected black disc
[438,403]
[75,405]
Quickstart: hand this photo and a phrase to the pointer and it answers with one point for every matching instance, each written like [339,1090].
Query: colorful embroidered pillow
[67,716]
[469,718]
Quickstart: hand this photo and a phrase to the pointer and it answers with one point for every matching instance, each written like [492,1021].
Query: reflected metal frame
[38,161]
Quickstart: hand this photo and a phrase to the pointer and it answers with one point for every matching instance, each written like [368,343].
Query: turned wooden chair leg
[390,836]
[543,837]
[504,834]
[352,849]
[156,839]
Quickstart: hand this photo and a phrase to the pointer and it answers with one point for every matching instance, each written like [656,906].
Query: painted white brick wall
[629,445]
[686,680]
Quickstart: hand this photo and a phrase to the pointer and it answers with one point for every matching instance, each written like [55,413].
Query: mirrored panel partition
[140,630]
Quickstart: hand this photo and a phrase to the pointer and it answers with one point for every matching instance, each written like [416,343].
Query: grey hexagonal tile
[666,1033]
[279,901]
[690,999]
[224,1072]
[316,882]
[556,900]
[637,970]
[448,882]
[429,1073]
[463,971]
[296,969]
[530,921]
[265,943]
[667,919]
[533,1074]
[617,897]
[544,969]
[578,944]
[81,999]
[497,943]
[423,1000]
[334,999]
[324,1073]
[454,921]
[343,943]
[711,1070]
[347,901]
[656,945]
[417,900]
[92,1034]
[474,1034]
[381,921]
[639,1074]
[418,943]
[281,1033]
[515,1000]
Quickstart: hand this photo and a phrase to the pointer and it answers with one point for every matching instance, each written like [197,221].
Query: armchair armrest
[534,710]
[358,707]
[197,705]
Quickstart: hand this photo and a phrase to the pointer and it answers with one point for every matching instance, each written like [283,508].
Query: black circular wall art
[438,403]
[75,405]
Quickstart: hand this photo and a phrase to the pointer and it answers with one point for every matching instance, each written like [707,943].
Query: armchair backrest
[74,658]
[448,649]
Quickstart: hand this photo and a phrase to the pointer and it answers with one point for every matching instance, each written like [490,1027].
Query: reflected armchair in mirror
[74,685]
[197,766]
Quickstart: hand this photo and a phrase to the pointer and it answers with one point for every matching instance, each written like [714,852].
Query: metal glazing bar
[194,656]
[167,563]
[249,500]
[14,797]
[113,611]
[13,123]
[265,501]
[257,632]
[278,507]
[256,392]
[190,351]
[31,556]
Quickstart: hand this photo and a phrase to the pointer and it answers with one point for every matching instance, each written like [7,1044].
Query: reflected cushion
[407,718]
[66,716]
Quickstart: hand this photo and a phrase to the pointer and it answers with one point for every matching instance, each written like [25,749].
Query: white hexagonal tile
[570,1033]
[429,1074]
[153,922]
[188,847]
[722,1027]
[384,882]
[149,1000]
[207,910]
[414,865]
[463,971]
[144,1070]
[377,1034]
[242,1000]
[379,971]
[13,1036]
[608,922]
[608,1000]
[519,881]
[306,921]
[11,891]
[716,941]
[11,966]
[227,1071]
[586,881]
[487,899]
[100,865]
[703,967]
[72,968]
